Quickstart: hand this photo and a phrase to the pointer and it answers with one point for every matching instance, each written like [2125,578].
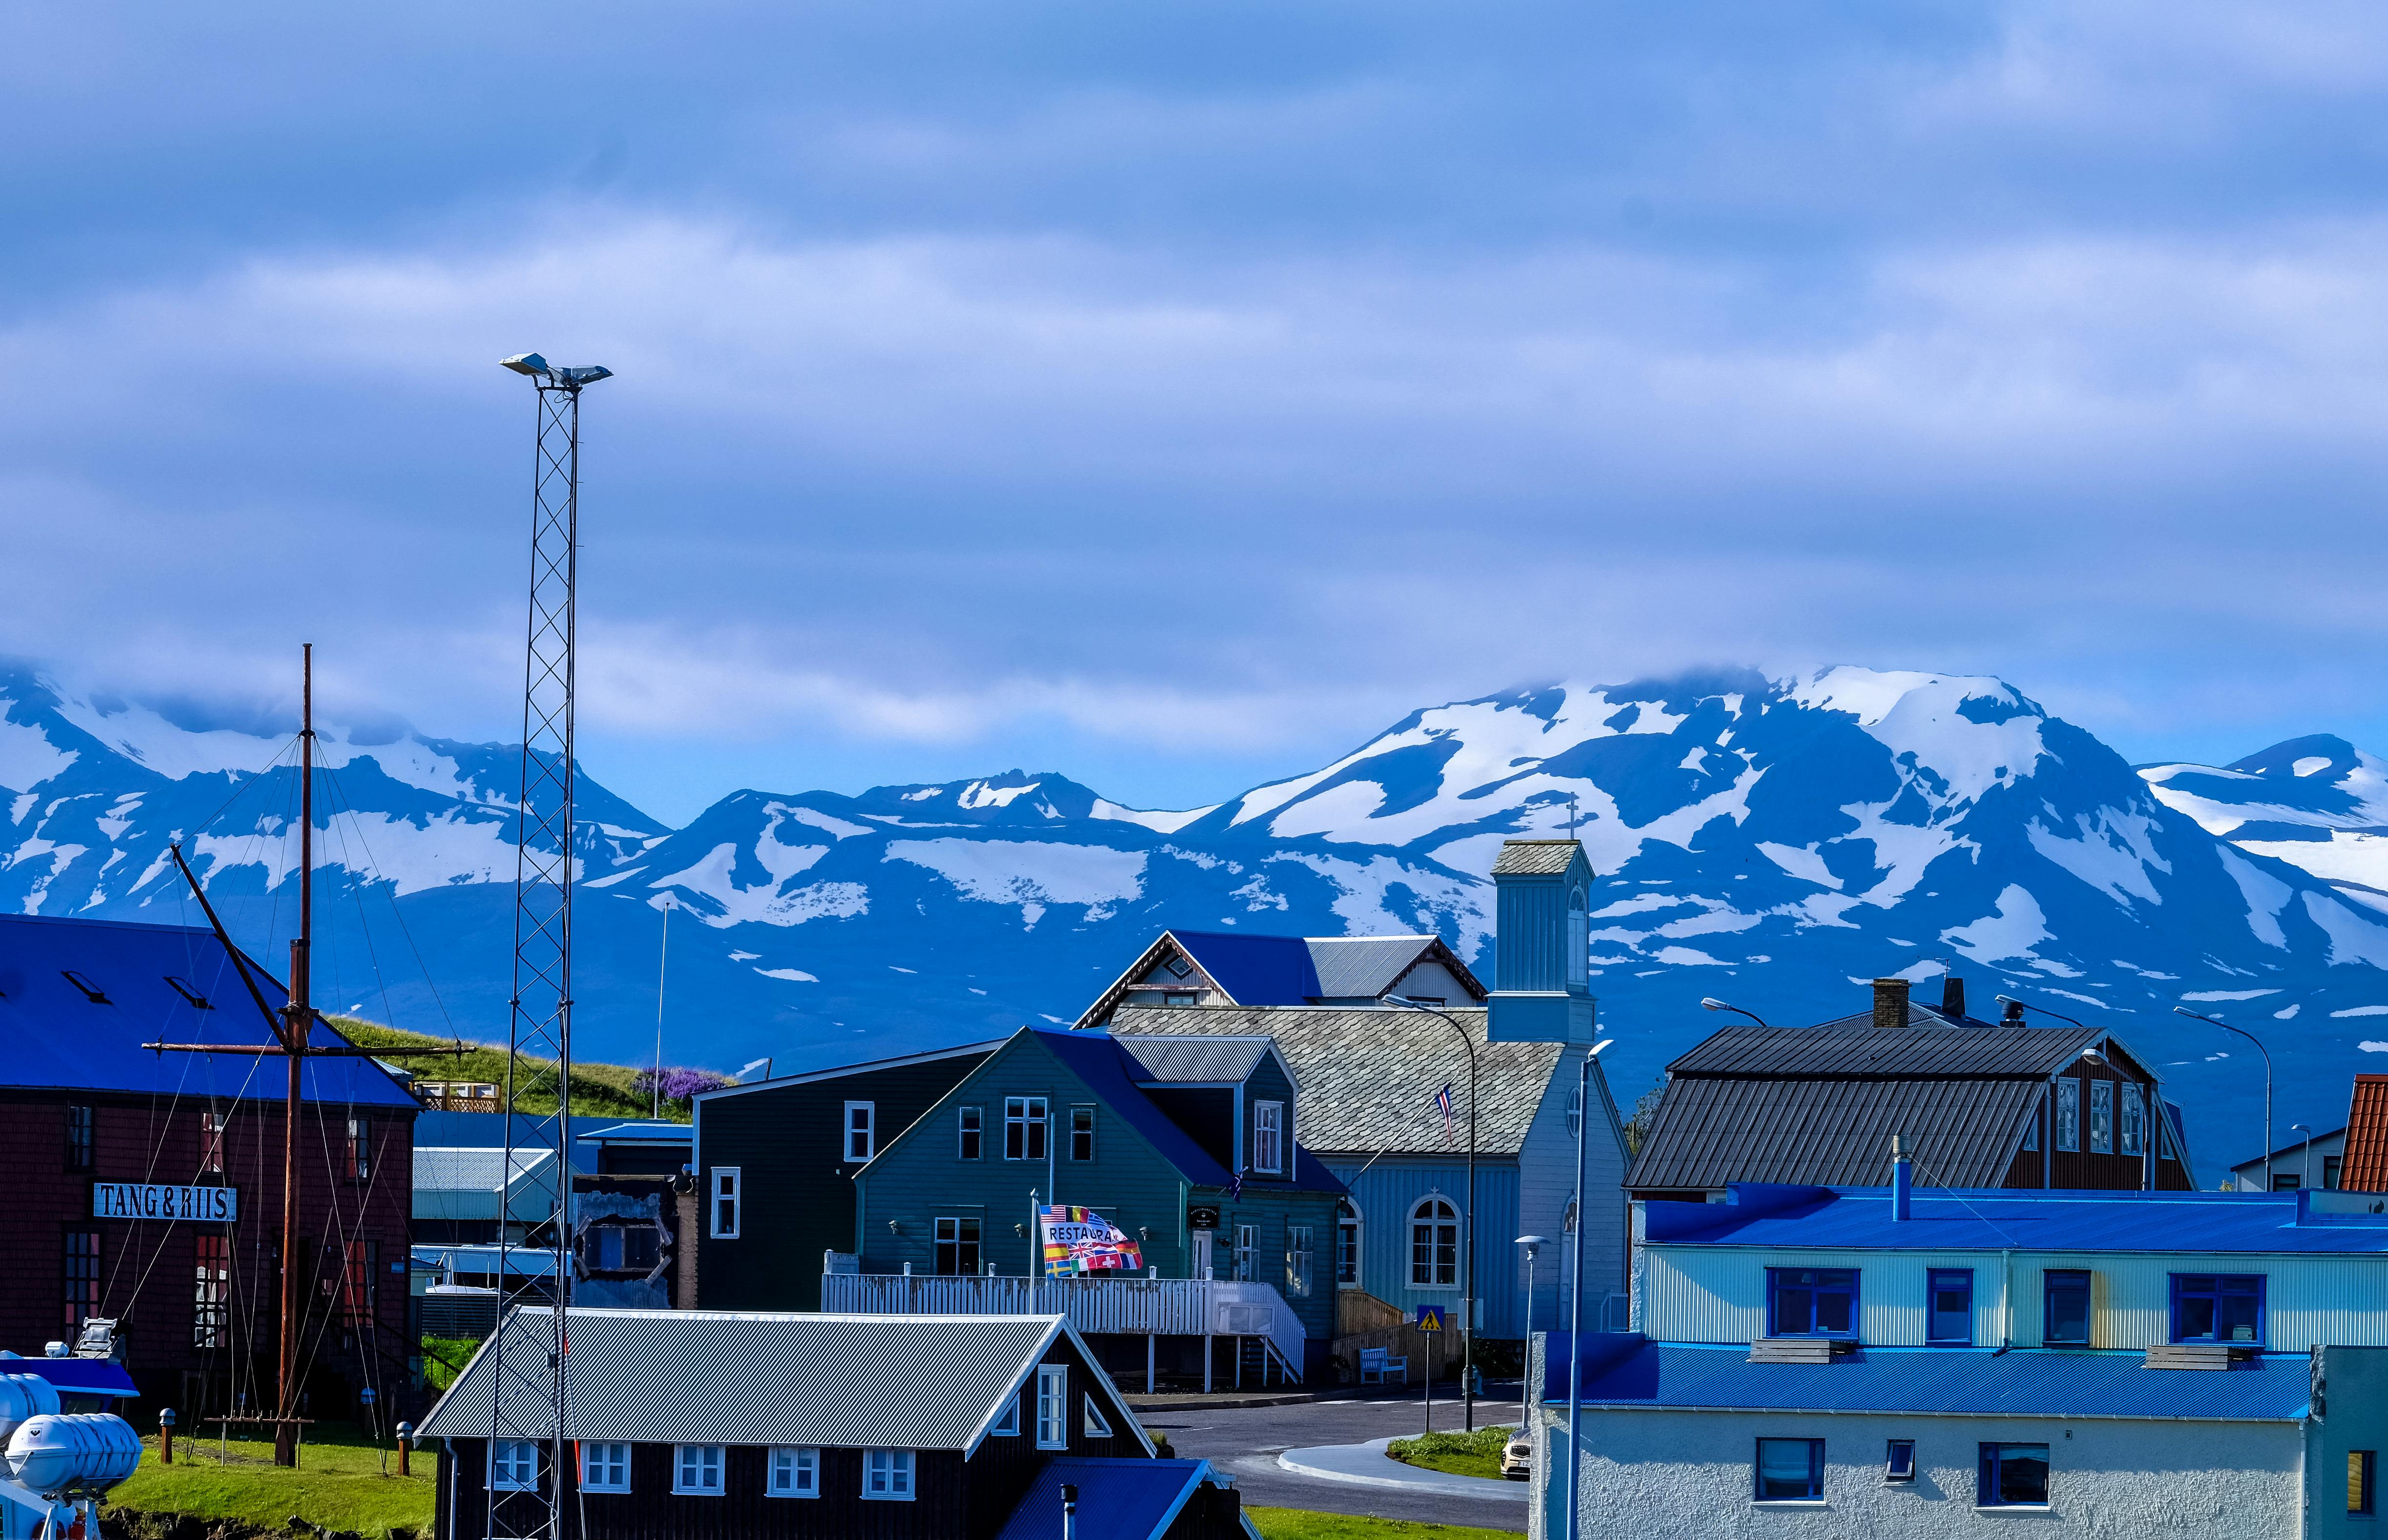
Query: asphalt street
[1245,1444]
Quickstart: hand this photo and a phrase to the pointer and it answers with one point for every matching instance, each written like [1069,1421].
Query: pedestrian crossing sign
[1429,1318]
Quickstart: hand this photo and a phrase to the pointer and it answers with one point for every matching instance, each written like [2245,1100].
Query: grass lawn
[1294,1523]
[1476,1453]
[338,1485]
[598,1090]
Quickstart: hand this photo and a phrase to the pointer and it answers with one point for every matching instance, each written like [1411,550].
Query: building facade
[149,1186]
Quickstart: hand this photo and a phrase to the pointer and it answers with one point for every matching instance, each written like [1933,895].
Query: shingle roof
[1369,1074]
[1534,858]
[58,1037]
[2292,1222]
[1356,967]
[1197,1061]
[1942,1381]
[1119,1500]
[1713,1130]
[2363,1165]
[721,1377]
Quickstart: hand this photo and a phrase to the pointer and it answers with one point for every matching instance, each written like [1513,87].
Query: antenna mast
[527,1378]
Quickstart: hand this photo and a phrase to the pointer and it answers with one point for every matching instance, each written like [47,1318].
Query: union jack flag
[1445,1105]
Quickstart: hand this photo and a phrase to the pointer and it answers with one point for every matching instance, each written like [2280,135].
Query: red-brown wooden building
[147,1186]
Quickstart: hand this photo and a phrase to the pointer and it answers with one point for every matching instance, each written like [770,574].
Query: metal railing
[1128,1306]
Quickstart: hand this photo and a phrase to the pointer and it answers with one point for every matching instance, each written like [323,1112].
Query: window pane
[1833,1312]
[2023,1473]
[1789,1468]
[2068,1308]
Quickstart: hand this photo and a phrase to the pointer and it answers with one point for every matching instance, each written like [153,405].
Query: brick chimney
[1889,1003]
[1952,995]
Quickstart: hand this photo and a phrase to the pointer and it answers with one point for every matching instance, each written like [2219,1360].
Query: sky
[1173,396]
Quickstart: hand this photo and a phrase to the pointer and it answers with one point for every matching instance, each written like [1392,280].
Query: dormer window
[1268,1137]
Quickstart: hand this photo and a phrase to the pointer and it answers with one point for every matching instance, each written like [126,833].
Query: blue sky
[1173,394]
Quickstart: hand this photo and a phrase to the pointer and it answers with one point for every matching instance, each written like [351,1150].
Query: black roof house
[1980,1104]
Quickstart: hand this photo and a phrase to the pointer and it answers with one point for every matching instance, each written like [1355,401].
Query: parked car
[1517,1457]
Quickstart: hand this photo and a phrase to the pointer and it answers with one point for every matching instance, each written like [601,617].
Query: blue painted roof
[1956,1220]
[639,1133]
[58,1038]
[1118,1499]
[1254,970]
[74,1376]
[1107,1071]
[1627,1371]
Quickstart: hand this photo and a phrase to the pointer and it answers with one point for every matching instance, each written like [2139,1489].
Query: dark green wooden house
[775,1163]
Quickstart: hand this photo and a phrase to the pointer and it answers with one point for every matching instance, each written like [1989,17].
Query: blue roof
[1254,970]
[1629,1371]
[1756,1214]
[59,1038]
[640,1133]
[1118,1499]
[1107,1071]
[74,1376]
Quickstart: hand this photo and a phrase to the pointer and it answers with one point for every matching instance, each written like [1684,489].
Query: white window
[1008,1425]
[1434,1245]
[2068,1115]
[2101,1117]
[1097,1426]
[513,1465]
[1269,1136]
[1052,1406]
[605,1467]
[1347,1252]
[887,1475]
[725,1203]
[970,1121]
[1298,1261]
[1248,1250]
[1024,1128]
[696,1469]
[860,1116]
[795,1473]
[2135,1120]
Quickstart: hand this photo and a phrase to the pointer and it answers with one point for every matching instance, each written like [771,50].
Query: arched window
[1579,938]
[1434,1244]
[1567,1225]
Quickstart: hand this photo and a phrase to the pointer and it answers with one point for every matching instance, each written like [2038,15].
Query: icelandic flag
[1445,1105]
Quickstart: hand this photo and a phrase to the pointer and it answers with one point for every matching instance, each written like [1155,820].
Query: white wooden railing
[1130,1307]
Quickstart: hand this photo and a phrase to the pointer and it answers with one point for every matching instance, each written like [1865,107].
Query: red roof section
[2366,1166]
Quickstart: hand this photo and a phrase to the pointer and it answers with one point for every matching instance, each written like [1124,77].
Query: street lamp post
[1575,1302]
[2305,1158]
[1467,1260]
[1532,1243]
[2266,1155]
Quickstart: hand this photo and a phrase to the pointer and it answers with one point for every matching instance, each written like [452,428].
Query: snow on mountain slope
[2315,802]
[1776,843]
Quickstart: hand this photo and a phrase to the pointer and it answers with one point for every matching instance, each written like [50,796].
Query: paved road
[1246,1443]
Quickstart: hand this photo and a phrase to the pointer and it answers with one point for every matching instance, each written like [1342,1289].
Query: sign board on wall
[141,1200]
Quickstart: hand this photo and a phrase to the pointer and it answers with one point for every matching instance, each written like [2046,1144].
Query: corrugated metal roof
[448,1168]
[2363,1165]
[1356,967]
[1254,970]
[1369,1075]
[1196,1060]
[2021,1220]
[719,1377]
[1535,857]
[1952,1382]
[59,1038]
[641,1133]
[1839,1048]
[1118,1499]
[1711,1131]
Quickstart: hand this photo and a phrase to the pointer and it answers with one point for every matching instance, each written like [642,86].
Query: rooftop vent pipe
[1901,1176]
[1889,1003]
[1952,996]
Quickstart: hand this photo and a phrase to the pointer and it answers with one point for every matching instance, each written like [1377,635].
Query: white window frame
[1052,1406]
[2131,1120]
[1008,1425]
[801,1467]
[1351,1228]
[1035,1112]
[969,1123]
[1246,1259]
[1301,1260]
[601,1471]
[1268,1137]
[894,1471]
[728,1189]
[1097,1424]
[1428,1214]
[2101,1092]
[867,1126]
[683,1465]
[507,1455]
[1087,1111]
[2068,1115]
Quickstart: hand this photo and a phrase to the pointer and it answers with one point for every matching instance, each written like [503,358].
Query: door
[1202,1268]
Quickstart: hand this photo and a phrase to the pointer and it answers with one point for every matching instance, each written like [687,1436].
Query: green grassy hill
[598,1090]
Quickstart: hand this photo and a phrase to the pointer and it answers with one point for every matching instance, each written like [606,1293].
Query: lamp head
[1598,1046]
[583,375]
[2006,1000]
[526,363]
[1711,1004]
[2091,1056]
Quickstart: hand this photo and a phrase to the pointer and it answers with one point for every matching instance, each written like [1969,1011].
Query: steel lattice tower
[528,1366]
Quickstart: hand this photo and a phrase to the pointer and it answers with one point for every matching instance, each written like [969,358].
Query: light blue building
[1370,1076]
[1811,1360]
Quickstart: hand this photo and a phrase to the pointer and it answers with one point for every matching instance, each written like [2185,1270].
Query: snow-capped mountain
[2318,803]
[1775,842]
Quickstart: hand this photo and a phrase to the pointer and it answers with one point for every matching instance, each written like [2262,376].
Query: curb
[1306,1462]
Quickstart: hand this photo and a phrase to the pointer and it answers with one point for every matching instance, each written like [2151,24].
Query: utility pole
[293,1030]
